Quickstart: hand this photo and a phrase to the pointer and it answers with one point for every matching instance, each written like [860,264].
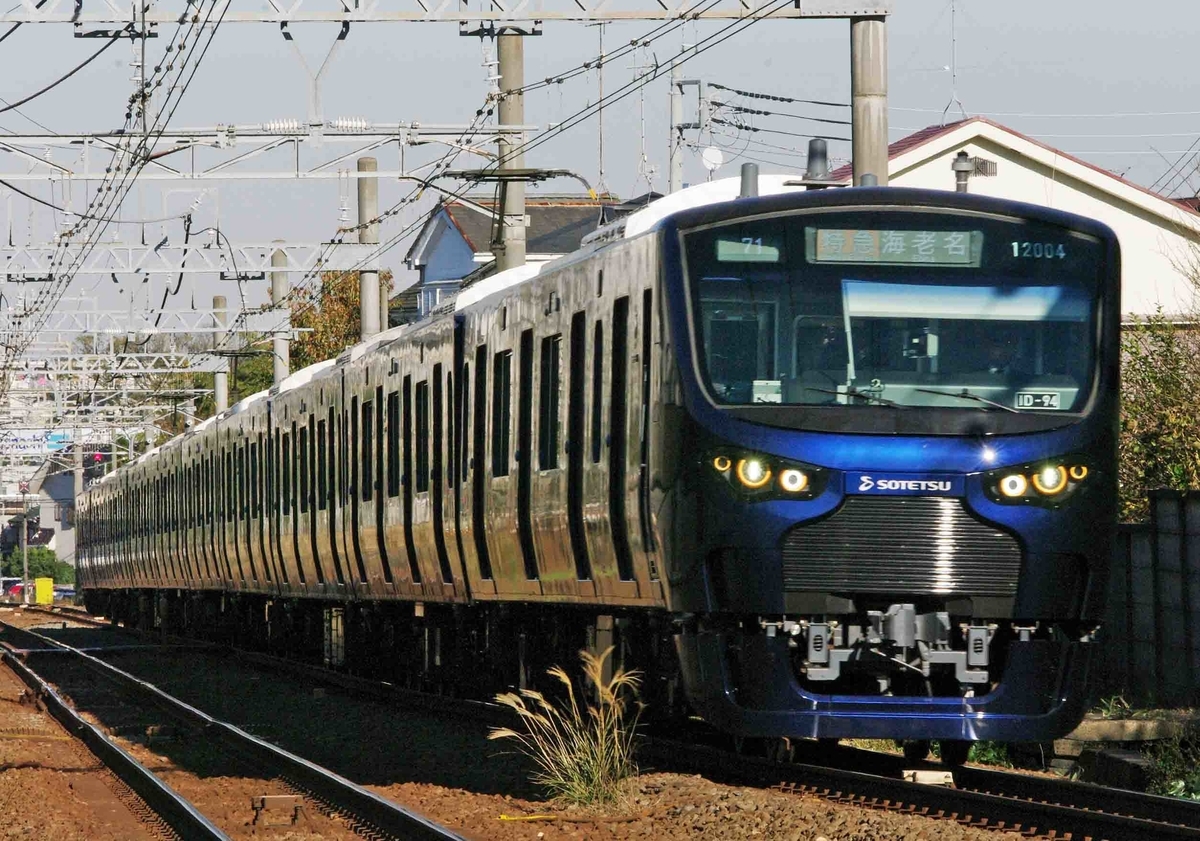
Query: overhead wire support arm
[112,13]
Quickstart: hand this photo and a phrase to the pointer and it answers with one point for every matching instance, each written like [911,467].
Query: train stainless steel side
[853,451]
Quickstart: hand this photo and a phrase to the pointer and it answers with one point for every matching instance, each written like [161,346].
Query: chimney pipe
[749,181]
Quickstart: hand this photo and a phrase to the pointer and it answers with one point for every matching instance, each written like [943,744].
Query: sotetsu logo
[867,483]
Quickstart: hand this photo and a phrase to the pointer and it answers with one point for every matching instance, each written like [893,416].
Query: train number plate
[1039,400]
[904,484]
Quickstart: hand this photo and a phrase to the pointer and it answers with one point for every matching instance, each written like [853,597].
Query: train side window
[597,391]
[576,391]
[618,437]
[393,443]
[322,486]
[422,454]
[644,517]
[304,447]
[478,495]
[287,474]
[368,457]
[379,441]
[501,411]
[548,400]
[333,448]
[241,484]
[354,445]
[254,475]
[451,472]
[414,568]
[435,460]
[464,433]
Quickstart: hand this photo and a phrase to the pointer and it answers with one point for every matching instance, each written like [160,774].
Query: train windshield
[886,310]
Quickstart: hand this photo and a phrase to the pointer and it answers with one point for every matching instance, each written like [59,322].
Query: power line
[773,98]
[745,127]
[14,105]
[70,212]
[741,109]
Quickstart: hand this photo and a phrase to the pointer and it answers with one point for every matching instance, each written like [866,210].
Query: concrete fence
[1152,625]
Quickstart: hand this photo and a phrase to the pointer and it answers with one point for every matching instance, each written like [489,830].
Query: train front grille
[918,545]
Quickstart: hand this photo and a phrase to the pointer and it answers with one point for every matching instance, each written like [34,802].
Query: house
[455,241]
[1160,236]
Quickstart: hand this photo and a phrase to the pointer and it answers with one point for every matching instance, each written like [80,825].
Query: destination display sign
[862,246]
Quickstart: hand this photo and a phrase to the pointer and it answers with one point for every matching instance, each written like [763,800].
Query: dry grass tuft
[583,754]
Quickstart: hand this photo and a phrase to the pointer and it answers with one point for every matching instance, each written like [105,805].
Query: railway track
[1035,806]
[330,804]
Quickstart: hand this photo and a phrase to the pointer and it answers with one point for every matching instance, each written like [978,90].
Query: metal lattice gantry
[284,12]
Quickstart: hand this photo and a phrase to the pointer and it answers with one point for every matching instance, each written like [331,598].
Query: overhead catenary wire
[61,209]
[47,88]
[745,127]
[775,98]
[757,112]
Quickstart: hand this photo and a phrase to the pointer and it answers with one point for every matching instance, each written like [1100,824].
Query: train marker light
[793,481]
[1050,480]
[722,464]
[753,473]
[1079,472]
[1013,485]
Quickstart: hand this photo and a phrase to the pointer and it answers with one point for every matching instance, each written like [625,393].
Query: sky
[1104,80]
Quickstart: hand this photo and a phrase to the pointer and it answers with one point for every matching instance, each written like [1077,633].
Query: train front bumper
[748,689]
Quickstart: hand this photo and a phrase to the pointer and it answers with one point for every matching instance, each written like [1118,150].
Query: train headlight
[793,481]
[1045,483]
[1050,481]
[1014,485]
[761,477]
[753,473]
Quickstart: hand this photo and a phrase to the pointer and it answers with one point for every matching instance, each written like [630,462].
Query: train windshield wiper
[853,392]
[968,395]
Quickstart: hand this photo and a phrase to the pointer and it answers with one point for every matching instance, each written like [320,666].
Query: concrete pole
[368,280]
[280,347]
[385,302]
[510,252]
[221,378]
[675,167]
[868,97]
[24,549]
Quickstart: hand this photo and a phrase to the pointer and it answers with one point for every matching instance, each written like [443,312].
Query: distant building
[1160,236]
[455,242]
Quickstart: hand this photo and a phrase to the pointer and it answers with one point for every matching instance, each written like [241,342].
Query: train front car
[887,462]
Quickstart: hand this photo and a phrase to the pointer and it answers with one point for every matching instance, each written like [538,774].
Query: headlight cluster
[760,476]
[1047,483]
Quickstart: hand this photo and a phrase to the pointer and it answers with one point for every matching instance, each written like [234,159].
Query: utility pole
[510,251]
[368,279]
[280,349]
[868,98]
[24,546]
[675,168]
[221,378]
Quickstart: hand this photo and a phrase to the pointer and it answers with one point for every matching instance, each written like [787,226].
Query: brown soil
[51,787]
[674,807]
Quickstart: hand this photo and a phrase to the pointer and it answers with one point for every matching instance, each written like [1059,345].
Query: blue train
[823,463]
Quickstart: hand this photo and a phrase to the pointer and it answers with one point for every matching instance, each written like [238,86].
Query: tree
[1160,417]
[330,312]
[43,563]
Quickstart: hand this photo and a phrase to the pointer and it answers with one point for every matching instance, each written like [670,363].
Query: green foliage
[42,564]
[990,753]
[1160,413]
[330,315]
[1114,707]
[583,755]
[1175,768]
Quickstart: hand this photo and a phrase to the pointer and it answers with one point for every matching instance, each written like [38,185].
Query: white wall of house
[1159,240]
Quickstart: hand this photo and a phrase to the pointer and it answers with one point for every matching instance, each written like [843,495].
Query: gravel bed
[51,787]
[448,771]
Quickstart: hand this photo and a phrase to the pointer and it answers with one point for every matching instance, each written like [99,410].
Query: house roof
[916,148]
[556,223]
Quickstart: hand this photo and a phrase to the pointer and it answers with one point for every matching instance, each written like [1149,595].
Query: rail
[360,804]
[178,813]
[1037,805]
